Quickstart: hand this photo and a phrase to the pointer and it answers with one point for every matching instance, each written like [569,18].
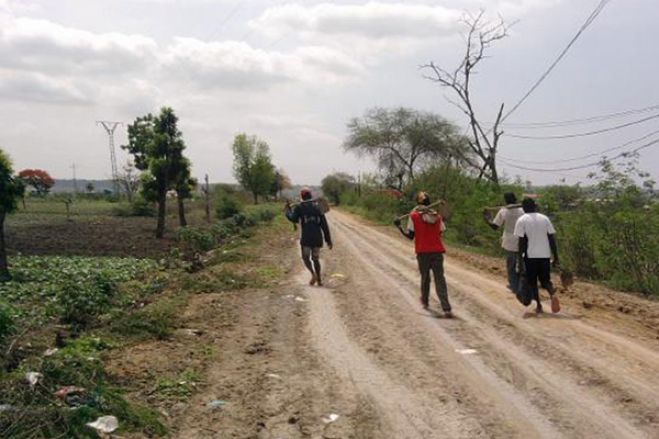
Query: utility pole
[75,180]
[206,189]
[110,127]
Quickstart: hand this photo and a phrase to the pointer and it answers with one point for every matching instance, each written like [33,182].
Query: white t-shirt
[535,226]
[507,217]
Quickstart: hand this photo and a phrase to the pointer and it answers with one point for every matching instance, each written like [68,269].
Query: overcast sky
[294,72]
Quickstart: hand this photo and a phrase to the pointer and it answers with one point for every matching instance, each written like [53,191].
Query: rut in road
[547,377]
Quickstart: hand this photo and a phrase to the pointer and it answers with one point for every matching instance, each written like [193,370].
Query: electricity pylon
[110,127]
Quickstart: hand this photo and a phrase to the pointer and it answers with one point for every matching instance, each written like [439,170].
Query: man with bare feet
[314,228]
[425,226]
[537,244]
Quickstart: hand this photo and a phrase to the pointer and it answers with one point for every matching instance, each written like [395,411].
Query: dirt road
[364,349]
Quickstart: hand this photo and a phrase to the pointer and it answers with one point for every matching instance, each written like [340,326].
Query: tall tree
[185,184]
[11,190]
[403,140]
[480,36]
[252,165]
[335,185]
[38,179]
[157,146]
[280,183]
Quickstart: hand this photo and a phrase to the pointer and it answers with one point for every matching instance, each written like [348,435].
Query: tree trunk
[162,212]
[256,198]
[181,212]
[4,270]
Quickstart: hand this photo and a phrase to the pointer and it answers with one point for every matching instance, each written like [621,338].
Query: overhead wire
[588,165]
[587,133]
[581,121]
[583,157]
[591,18]
[232,12]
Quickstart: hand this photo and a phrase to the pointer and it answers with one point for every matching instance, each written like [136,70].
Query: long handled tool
[435,204]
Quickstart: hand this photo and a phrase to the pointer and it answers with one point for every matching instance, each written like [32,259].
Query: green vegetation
[608,232]
[157,146]
[252,166]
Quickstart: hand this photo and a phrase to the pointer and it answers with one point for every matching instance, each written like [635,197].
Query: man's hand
[556,264]
[397,222]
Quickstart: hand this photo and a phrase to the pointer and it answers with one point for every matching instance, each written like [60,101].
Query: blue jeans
[511,269]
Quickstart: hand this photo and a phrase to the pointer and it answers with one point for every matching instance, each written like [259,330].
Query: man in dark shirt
[314,228]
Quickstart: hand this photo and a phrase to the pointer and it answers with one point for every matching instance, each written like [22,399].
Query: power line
[574,159]
[239,4]
[580,121]
[588,165]
[591,18]
[587,133]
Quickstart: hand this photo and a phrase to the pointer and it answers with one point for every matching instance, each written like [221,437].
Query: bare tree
[480,36]
[129,179]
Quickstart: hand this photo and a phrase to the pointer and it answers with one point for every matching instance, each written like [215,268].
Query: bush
[6,321]
[260,214]
[195,239]
[139,207]
[227,206]
[80,302]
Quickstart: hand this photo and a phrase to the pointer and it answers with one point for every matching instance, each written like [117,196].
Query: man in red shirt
[425,226]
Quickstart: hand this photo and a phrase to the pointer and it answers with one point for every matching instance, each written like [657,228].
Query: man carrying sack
[537,244]
[314,228]
[425,226]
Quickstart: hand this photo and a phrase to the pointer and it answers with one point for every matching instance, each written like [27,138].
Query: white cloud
[372,20]
[229,64]
[47,47]
[37,87]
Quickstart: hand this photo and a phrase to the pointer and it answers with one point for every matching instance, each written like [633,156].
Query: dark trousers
[433,262]
[511,269]
[538,269]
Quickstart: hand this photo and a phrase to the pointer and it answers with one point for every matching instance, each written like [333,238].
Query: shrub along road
[289,356]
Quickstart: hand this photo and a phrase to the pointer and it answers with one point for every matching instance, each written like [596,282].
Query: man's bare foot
[448,314]
[424,304]
[319,282]
[539,310]
[313,280]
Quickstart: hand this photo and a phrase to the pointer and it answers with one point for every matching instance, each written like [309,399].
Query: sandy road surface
[290,355]
[551,376]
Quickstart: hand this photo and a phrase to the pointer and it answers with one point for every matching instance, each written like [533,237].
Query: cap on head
[423,198]
[305,193]
[528,204]
[510,198]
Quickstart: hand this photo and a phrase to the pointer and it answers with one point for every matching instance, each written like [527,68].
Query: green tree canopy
[252,165]
[157,146]
[334,185]
[11,190]
[403,140]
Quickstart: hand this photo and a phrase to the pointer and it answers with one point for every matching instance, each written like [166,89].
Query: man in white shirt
[537,244]
[507,218]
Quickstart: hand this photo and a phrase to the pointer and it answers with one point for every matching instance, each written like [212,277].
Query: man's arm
[326,232]
[293,215]
[409,234]
[554,248]
[488,219]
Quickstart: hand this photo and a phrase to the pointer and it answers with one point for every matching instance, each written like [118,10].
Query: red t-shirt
[427,236]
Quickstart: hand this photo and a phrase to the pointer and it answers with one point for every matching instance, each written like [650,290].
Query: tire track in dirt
[622,360]
[572,408]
